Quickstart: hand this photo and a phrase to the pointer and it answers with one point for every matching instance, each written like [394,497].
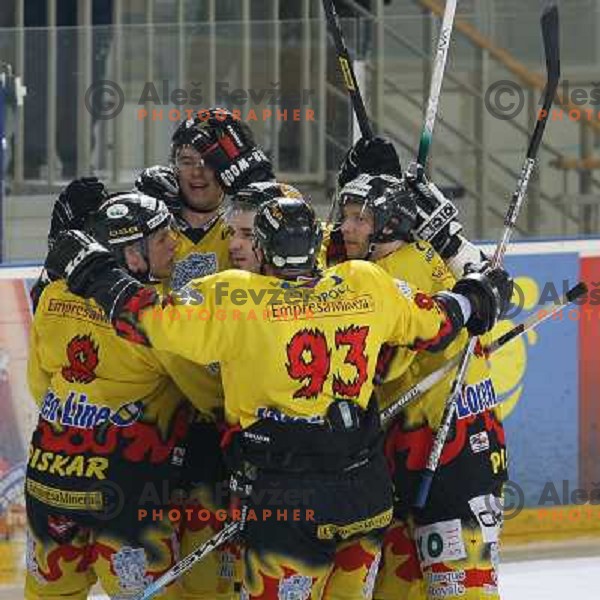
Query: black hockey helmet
[255,194]
[126,218]
[389,199]
[288,233]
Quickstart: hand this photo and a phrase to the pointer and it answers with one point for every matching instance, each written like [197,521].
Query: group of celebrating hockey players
[143,390]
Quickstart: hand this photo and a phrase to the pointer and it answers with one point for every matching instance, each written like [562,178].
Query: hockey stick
[549,22]
[517,331]
[389,413]
[352,87]
[345,63]
[189,561]
[435,88]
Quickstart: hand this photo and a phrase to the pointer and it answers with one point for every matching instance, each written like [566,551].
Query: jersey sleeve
[189,323]
[38,379]
[441,276]
[417,320]
[200,386]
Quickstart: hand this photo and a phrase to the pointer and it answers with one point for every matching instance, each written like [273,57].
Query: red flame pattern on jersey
[139,442]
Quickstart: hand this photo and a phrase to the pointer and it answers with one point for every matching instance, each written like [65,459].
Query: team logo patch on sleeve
[404,288]
[479,442]
[193,266]
[82,354]
[424,301]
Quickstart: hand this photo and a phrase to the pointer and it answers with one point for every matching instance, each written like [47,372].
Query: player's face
[357,226]
[241,242]
[197,182]
[161,252]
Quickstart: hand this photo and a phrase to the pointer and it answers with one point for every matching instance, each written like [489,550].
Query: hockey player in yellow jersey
[211,156]
[297,350]
[436,219]
[240,219]
[377,216]
[112,427]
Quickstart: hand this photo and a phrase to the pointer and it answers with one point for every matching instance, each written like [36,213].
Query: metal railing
[136,54]
[484,190]
[54,135]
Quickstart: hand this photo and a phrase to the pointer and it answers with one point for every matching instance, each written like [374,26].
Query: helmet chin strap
[370,251]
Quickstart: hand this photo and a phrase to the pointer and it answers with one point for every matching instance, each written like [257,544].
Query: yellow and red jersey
[288,349]
[200,251]
[419,264]
[105,406]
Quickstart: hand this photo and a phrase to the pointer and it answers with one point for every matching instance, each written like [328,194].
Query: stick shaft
[347,69]
[190,560]
[549,22]
[437,79]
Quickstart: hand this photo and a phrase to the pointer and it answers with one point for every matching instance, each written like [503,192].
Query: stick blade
[551,36]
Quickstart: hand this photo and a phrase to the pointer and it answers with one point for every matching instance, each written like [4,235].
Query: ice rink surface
[555,579]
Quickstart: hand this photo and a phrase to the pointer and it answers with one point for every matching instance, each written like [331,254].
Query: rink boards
[548,381]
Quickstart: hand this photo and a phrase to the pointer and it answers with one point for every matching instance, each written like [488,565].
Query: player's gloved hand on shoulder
[80,198]
[228,147]
[489,294]
[91,271]
[76,257]
[160,182]
[376,156]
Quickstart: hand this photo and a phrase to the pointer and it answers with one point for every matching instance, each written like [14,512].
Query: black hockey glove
[376,156]
[436,215]
[489,295]
[80,198]
[91,271]
[228,147]
[160,182]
